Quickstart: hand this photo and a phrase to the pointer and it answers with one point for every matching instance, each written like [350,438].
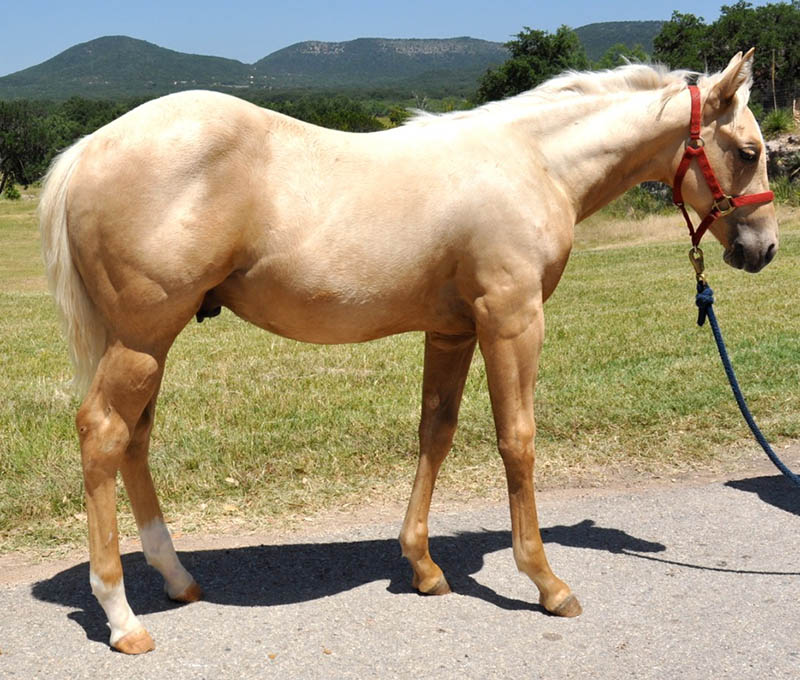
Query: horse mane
[627,78]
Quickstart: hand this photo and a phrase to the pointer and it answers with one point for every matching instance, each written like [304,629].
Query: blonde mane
[627,78]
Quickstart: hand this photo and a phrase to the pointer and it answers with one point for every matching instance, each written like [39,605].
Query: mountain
[597,38]
[117,66]
[378,62]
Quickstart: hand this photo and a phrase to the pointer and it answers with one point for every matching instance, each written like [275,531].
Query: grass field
[252,427]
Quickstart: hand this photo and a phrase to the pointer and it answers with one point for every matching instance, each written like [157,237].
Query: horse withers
[457,225]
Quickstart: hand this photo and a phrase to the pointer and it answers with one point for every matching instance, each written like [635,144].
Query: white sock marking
[112,599]
[160,554]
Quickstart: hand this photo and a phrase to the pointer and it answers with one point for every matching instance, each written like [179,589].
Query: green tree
[87,115]
[620,54]
[775,33]
[32,132]
[683,42]
[734,28]
[338,112]
[536,56]
[29,138]
[773,29]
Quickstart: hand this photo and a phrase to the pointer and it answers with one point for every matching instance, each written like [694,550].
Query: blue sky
[250,29]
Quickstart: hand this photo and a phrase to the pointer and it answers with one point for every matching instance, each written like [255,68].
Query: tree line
[33,132]
[685,41]
[537,56]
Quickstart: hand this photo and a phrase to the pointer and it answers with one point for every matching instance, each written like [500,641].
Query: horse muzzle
[752,257]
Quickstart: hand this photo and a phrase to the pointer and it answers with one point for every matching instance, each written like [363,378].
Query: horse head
[731,188]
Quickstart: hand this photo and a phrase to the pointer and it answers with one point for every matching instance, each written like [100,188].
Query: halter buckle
[724,205]
[695,142]
[696,258]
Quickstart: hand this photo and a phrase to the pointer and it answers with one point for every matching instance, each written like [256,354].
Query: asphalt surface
[677,581]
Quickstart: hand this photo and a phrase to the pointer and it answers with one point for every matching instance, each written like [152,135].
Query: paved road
[681,581]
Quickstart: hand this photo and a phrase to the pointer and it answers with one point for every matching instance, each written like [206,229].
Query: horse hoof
[137,642]
[569,608]
[191,593]
[440,587]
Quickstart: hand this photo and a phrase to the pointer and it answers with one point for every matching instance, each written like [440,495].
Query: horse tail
[80,319]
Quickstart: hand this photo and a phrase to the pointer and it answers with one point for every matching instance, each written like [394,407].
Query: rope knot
[704,300]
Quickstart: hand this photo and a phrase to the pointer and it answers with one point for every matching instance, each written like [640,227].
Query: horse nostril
[770,254]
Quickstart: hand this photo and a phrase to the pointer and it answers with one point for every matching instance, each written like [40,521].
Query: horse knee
[109,419]
[516,445]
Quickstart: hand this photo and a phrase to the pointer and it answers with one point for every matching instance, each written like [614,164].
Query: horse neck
[596,147]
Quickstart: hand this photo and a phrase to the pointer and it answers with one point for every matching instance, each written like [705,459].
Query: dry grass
[601,232]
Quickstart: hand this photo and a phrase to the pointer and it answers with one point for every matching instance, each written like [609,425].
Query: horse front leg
[511,352]
[447,362]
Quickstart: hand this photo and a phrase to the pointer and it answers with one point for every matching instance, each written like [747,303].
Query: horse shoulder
[521,236]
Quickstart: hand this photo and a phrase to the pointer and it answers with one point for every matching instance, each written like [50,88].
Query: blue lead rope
[705,301]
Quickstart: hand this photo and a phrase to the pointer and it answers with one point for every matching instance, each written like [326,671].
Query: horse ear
[738,73]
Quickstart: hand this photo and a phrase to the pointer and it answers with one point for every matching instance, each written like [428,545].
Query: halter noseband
[724,204]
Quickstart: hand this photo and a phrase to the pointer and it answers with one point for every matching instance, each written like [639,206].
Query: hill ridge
[121,66]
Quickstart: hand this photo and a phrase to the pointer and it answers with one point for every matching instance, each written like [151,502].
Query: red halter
[723,203]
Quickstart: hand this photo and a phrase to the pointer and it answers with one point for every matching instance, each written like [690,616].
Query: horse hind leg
[447,362]
[156,542]
[124,383]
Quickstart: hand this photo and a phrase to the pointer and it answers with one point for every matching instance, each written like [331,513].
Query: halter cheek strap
[724,204]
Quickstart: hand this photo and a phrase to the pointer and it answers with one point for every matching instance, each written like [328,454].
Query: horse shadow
[271,575]
[776,490]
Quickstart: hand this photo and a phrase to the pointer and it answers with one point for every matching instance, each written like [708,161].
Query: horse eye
[747,155]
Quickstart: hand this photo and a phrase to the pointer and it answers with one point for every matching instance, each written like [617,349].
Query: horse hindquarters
[113,421]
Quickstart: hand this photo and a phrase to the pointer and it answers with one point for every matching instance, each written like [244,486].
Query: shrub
[786,191]
[776,122]
[399,115]
[648,198]
[11,192]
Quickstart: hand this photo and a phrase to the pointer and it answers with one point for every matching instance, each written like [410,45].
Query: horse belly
[334,314]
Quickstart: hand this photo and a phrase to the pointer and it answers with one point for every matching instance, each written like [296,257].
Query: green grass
[252,427]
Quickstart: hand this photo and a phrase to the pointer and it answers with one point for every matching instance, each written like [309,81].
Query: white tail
[83,328]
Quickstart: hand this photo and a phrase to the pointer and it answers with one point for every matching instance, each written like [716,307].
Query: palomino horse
[457,225]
